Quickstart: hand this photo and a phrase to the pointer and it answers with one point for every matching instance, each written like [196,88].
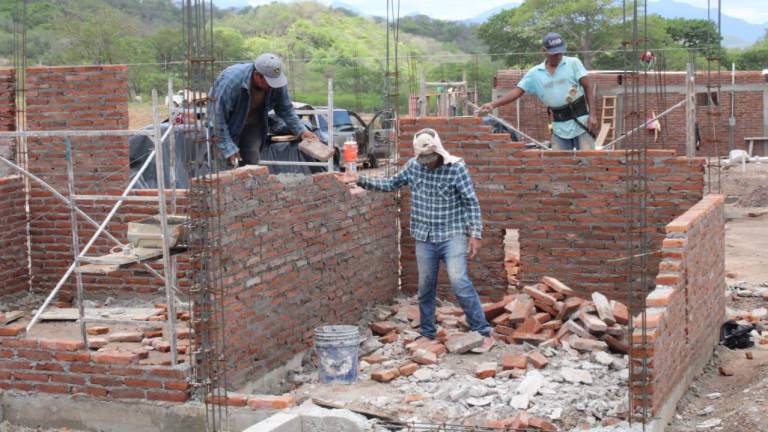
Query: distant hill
[483,17]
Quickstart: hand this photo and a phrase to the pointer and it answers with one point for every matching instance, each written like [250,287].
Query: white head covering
[427,141]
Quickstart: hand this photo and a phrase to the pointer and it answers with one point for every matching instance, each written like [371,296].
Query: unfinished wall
[14,276]
[687,307]
[77,98]
[664,90]
[7,118]
[568,207]
[298,252]
[66,367]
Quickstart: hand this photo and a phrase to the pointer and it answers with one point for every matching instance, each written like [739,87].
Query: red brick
[537,359]
[382,327]
[62,345]
[514,361]
[12,330]
[111,357]
[231,399]
[168,396]
[97,330]
[270,402]
[408,369]
[385,375]
[31,376]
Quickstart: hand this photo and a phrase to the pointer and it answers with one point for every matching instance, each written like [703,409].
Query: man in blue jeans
[444,210]
[562,84]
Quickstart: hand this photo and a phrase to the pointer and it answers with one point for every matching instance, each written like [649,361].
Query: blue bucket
[336,347]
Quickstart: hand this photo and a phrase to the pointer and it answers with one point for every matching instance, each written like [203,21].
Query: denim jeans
[453,253]
[581,142]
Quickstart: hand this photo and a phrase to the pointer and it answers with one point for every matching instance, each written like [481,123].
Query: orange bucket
[350,151]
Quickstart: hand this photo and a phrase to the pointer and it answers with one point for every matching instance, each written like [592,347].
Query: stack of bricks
[299,252]
[751,93]
[77,98]
[686,308]
[569,208]
[13,239]
[66,367]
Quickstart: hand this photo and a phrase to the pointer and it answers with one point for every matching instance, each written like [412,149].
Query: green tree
[228,44]
[754,57]
[581,22]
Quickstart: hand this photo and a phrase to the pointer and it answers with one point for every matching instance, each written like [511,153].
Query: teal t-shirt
[555,89]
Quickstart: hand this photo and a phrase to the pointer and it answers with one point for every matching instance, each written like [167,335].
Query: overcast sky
[755,11]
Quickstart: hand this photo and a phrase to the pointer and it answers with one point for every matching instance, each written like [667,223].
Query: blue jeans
[581,142]
[454,253]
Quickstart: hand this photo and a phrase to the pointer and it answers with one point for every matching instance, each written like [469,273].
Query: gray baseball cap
[271,68]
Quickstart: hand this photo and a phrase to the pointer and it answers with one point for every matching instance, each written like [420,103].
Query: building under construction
[195,309]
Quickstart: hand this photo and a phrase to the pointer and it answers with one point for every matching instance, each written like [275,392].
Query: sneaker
[488,343]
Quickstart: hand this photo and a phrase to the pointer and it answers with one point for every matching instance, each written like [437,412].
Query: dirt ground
[740,401]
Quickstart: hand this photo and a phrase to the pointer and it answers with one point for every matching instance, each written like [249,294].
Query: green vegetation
[318,43]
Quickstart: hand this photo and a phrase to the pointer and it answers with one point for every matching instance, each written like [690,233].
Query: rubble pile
[559,362]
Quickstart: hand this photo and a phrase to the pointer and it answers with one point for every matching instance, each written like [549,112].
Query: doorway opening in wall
[512,258]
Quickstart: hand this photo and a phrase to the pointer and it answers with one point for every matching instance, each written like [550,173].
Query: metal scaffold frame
[79,255]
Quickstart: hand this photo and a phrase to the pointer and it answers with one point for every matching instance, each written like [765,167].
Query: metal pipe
[114,198]
[294,163]
[172,145]
[330,122]
[509,126]
[159,167]
[75,237]
[100,228]
[75,133]
[646,123]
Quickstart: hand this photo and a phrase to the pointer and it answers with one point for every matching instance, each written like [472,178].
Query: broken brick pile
[546,335]
[547,314]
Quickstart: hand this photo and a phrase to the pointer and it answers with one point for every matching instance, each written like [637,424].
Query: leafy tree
[581,22]
[228,44]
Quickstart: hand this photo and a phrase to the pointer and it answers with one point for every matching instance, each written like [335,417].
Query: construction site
[607,275]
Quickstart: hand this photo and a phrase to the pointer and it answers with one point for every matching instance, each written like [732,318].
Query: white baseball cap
[270,67]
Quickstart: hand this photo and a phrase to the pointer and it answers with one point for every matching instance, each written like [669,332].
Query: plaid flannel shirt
[443,201]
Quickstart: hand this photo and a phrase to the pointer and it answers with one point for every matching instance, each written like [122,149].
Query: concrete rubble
[551,368]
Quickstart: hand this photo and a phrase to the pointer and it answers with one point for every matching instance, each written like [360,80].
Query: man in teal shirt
[561,83]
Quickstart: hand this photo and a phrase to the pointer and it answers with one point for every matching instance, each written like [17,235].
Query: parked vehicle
[373,139]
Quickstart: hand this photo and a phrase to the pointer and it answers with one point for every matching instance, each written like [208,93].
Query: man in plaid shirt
[446,224]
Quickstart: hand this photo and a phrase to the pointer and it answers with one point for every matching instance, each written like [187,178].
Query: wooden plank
[122,258]
[99,269]
[71,314]
[10,317]
[602,135]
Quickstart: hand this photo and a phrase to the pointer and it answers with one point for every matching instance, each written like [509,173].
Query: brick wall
[568,208]
[7,100]
[66,367]
[664,90]
[298,252]
[78,98]
[687,307]
[7,118]
[14,275]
